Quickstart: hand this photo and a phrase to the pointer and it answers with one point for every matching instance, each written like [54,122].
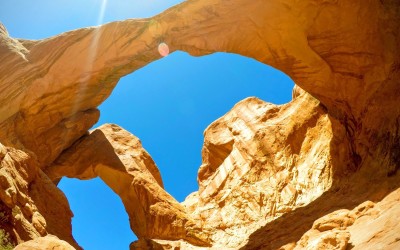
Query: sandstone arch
[343,53]
[117,157]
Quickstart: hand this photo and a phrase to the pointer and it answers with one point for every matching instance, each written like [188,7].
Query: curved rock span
[317,173]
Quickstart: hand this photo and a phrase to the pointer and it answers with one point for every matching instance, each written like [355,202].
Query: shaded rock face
[317,173]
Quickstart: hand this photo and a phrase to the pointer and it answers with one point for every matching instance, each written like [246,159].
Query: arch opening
[168,104]
[99,220]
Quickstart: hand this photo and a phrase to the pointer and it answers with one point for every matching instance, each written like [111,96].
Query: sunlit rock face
[320,172]
[261,161]
[25,192]
[117,157]
[49,242]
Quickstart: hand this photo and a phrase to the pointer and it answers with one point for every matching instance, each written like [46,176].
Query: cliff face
[318,172]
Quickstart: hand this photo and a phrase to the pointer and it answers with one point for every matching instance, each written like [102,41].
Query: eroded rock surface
[118,158]
[261,161]
[314,173]
[24,193]
[49,242]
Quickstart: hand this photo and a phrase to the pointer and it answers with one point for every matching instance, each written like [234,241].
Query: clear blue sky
[167,104]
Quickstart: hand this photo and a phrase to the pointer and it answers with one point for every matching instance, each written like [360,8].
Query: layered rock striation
[320,172]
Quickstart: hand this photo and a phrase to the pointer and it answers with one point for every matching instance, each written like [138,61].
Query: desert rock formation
[318,172]
[118,158]
[49,242]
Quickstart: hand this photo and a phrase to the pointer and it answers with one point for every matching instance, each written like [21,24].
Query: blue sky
[167,104]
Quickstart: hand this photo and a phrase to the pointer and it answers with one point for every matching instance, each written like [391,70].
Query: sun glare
[91,55]
[102,11]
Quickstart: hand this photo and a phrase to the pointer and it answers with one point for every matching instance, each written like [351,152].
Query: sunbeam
[102,11]
[91,56]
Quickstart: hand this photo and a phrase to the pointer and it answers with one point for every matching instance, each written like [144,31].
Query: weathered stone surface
[293,176]
[118,158]
[368,226]
[378,226]
[261,161]
[49,242]
[22,188]
[49,95]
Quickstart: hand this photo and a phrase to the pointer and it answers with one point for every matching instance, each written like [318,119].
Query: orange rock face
[48,242]
[118,158]
[320,172]
[25,191]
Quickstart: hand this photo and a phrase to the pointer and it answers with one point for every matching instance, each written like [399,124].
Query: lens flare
[163,49]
